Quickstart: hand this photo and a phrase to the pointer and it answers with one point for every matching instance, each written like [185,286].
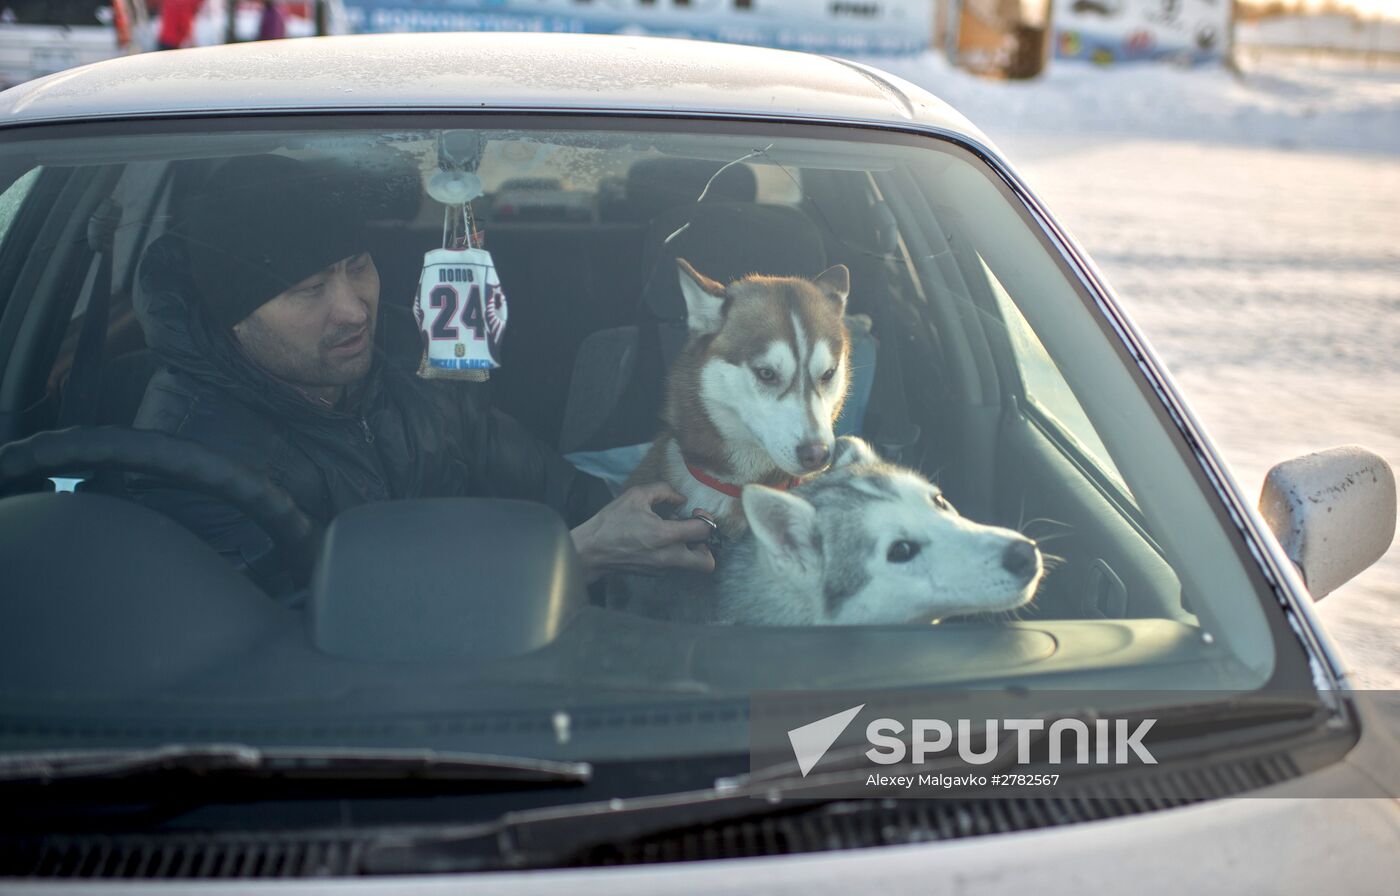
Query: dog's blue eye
[829,375]
[765,374]
[902,551]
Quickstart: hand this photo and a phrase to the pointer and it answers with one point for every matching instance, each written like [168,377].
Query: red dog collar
[728,488]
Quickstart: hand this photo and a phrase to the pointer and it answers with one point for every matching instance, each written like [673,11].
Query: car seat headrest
[164,286]
[656,185]
[726,241]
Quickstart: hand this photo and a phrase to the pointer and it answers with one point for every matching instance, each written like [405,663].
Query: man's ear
[704,300]
[786,528]
[852,450]
[835,281]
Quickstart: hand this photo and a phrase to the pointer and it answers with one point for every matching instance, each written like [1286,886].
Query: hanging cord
[473,235]
[454,238]
[709,183]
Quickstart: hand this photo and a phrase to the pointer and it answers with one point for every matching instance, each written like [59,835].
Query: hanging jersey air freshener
[461,312]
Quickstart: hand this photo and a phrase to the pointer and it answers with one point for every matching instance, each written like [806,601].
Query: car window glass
[1045,387]
[13,198]
[606,248]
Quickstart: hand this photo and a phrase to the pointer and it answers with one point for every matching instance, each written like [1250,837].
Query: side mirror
[1333,512]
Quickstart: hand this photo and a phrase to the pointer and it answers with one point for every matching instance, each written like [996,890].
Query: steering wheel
[179,461]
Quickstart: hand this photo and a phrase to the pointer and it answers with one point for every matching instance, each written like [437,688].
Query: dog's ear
[704,300]
[786,528]
[851,450]
[835,281]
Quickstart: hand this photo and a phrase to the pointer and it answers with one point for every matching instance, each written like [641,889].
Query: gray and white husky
[865,543]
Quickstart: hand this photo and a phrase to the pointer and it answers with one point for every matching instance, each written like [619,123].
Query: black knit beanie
[262,224]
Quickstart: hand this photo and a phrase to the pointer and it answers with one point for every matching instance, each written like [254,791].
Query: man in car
[263,304]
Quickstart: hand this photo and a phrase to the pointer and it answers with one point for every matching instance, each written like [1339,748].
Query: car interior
[99,589]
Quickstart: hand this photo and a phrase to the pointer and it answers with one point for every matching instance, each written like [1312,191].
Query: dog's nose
[813,455]
[1021,559]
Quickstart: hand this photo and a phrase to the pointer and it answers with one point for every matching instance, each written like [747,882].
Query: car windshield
[980,488]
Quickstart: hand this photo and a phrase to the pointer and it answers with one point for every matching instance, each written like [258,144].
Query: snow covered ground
[1332,32]
[1252,227]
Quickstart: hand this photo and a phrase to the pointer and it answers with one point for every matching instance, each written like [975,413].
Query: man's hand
[627,536]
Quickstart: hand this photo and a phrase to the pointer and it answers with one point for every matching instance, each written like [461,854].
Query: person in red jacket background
[176,23]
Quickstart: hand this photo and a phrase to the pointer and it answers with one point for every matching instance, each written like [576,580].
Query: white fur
[782,580]
[786,527]
[957,570]
[698,495]
[704,311]
[761,425]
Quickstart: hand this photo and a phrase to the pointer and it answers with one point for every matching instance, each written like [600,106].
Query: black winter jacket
[397,437]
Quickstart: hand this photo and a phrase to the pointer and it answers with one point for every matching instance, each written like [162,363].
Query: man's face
[320,333]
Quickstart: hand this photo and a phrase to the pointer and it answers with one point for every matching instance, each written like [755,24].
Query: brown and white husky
[754,394]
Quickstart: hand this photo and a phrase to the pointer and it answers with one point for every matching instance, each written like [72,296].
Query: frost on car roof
[489,71]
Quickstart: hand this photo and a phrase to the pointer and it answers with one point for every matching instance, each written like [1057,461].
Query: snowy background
[1251,225]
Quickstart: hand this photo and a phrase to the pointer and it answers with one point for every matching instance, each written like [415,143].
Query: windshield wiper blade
[548,836]
[312,763]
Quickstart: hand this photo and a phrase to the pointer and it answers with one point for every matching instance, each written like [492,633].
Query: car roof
[481,70]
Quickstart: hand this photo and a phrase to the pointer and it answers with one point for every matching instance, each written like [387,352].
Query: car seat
[655,186]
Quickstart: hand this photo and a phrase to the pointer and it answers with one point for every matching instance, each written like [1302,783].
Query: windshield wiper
[548,837]
[538,838]
[242,760]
